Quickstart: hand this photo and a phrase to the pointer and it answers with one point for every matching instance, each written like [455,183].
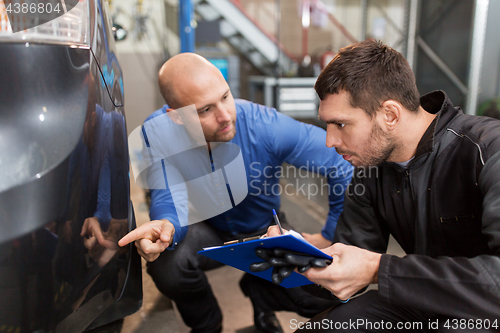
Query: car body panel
[64,182]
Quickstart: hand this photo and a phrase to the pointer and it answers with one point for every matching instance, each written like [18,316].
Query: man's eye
[340,125]
[224,97]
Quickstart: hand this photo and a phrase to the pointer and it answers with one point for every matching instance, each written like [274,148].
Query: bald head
[183,74]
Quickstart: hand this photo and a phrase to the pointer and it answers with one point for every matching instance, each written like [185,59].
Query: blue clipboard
[241,255]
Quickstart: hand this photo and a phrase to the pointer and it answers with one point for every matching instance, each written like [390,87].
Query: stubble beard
[380,150]
[223,137]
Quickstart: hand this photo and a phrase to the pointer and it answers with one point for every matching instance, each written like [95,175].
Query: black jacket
[443,209]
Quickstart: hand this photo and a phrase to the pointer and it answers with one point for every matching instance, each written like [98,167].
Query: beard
[222,137]
[382,147]
[378,150]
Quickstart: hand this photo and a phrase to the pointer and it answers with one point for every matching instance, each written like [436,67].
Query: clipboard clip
[236,241]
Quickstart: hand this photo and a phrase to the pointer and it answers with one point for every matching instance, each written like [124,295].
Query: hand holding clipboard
[242,254]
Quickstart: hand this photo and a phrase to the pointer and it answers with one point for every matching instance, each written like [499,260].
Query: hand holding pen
[275,230]
[283,261]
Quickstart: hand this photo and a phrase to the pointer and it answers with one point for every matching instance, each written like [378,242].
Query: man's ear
[391,113]
[174,115]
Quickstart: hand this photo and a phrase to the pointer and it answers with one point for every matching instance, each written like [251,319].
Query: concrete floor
[158,313]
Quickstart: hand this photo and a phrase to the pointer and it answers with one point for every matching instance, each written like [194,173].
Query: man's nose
[332,138]
[223,115]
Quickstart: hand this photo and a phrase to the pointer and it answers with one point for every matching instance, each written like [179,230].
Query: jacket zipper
[408,187]
[407,181]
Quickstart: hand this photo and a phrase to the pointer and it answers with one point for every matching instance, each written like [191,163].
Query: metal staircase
[244,34]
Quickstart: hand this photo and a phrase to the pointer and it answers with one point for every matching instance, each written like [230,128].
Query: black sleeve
[458,287]
[359,224]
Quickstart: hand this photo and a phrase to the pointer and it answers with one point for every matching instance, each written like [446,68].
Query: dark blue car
[64,173]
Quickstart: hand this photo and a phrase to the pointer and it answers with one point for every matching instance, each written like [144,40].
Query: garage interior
[271,52]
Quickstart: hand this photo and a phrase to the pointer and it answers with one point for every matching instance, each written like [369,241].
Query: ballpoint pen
[277,220]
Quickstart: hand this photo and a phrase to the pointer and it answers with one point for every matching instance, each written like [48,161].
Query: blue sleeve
[304,146]
[162,201]
[162,207]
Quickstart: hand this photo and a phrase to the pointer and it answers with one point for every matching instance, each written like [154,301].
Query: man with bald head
[266,139]
[189,79]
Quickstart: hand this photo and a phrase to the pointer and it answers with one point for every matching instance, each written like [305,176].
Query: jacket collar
[436,102]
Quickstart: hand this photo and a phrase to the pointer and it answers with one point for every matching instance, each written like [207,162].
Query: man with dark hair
[437,191]
[382,72]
